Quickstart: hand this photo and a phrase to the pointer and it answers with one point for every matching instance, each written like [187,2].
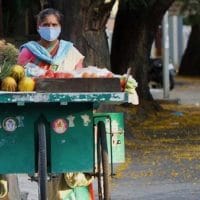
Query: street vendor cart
[53,132]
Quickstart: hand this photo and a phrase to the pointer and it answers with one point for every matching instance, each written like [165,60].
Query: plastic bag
[33,70]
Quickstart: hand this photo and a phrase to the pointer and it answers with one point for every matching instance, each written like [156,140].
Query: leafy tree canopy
[191,11]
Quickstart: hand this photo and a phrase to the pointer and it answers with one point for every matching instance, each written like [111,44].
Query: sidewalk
[186,92]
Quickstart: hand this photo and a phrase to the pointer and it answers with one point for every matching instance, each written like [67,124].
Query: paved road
[163,180]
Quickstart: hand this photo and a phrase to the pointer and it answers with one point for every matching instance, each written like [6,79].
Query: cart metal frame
[45,133]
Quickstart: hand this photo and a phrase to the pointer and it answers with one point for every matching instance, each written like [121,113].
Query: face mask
[49,33]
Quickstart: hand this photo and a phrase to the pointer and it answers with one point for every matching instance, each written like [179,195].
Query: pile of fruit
[86,72]
[52,74]
[12,78]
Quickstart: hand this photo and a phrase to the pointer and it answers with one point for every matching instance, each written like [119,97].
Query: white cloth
[71,60]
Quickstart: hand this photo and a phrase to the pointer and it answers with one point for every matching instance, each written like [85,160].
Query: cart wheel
[102,163]
[42,162]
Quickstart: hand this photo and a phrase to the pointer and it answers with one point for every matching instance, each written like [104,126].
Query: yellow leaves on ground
[166,144]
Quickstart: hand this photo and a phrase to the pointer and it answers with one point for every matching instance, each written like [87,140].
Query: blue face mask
[49,33]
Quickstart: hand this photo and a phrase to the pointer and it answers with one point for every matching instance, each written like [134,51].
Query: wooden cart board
[78,85]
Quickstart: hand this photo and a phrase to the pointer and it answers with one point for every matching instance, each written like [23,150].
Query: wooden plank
[78,85]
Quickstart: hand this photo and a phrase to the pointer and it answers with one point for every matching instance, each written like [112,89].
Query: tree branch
[98,12]
[158,9]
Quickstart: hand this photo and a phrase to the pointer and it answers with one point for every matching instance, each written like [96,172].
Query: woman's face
[50,21]
[49,29]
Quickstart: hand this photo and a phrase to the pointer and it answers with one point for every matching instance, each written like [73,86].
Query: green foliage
[191,11]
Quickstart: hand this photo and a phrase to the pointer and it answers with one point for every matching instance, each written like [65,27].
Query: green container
[114,123]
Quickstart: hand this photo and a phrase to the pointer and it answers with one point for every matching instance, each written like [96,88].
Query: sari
[62,56]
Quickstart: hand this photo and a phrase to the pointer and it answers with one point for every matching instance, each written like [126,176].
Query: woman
[58,55]
[50,52]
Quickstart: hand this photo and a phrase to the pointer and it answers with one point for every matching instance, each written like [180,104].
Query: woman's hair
[49,11]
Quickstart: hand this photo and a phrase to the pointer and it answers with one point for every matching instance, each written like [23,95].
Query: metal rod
[165,38]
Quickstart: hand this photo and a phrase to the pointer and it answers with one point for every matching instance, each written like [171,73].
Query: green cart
[52,133]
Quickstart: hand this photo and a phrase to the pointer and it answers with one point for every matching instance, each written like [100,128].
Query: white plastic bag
[33,70]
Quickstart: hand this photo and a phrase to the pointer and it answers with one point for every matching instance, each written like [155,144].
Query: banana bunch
[129,85]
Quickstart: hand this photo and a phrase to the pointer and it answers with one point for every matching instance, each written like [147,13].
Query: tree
[135,29]
[190,63]
[14,17]
[1,19]
[84,24]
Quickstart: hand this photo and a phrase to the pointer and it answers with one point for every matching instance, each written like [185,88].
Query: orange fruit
[86,75]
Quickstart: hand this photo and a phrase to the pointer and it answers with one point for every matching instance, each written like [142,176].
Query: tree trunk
[14,22]
[33,10]
[134,32]
[1,19]
[84,25]
[190,63]
[16,17]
